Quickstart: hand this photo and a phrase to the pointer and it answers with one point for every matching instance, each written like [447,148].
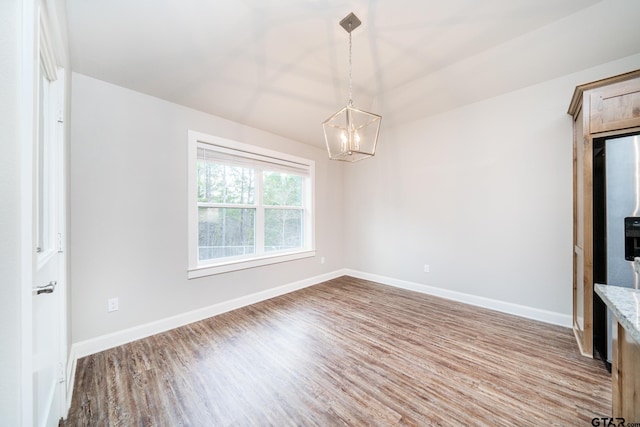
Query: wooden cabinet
[604,108]
[625,360]
[615,107]
[625,372]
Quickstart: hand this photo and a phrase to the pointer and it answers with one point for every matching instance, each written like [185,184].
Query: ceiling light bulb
[344,139]
[355,140]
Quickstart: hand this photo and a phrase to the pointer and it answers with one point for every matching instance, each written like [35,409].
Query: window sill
[225,267]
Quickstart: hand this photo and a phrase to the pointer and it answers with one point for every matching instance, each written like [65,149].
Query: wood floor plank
[346,352]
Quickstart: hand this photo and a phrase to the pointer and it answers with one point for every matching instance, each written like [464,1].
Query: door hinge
[60,250]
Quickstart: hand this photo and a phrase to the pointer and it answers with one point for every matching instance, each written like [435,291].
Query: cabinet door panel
[579,183]
[579,290]
[615,107]
[625,381]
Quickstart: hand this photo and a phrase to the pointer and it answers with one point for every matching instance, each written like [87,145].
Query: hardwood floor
[346,352]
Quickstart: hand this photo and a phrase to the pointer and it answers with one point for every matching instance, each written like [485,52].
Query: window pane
[225,232]
[219,183]
[282,189]
[43,168]
[282,229]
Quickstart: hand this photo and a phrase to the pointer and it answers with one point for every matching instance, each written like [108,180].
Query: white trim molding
[225,267]
[493,304]
[105,342]
[72,362]
[95,345]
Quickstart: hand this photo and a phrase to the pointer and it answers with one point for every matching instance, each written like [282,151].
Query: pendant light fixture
[351,134]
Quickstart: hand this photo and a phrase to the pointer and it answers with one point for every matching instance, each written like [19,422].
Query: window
[48,158]
[43,211]
[248,206]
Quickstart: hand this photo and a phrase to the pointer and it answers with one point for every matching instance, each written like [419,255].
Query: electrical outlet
[321,260]
[426,268]
[112,305]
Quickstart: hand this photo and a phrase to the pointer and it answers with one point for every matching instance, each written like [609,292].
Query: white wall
[129,211]
[606,31]
[481,193]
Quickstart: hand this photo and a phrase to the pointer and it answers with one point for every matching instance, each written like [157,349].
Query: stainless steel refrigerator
[616,224]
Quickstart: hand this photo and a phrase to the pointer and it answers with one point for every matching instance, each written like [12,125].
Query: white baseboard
[72,362]
[105,342]
[502,306]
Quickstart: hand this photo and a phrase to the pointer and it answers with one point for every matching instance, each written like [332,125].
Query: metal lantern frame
[351,134]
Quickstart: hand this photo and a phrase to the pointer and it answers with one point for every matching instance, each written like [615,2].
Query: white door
[49,217]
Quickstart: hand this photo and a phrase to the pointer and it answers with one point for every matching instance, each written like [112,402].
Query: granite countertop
[625,305]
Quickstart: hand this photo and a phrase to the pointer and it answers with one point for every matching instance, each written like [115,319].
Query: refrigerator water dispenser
[631,238]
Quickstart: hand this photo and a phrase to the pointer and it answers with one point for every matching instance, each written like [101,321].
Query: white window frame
[210,142]
[50,100]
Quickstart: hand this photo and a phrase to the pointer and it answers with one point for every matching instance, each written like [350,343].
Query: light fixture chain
[350,66]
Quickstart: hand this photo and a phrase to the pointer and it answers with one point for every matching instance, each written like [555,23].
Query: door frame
[28,128]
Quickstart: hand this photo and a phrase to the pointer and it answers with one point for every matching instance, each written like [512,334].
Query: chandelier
[351,134]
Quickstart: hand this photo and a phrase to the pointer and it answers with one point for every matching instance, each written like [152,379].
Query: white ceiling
[281,65]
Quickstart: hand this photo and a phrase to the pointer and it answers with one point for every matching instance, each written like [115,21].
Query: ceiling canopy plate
[350,19]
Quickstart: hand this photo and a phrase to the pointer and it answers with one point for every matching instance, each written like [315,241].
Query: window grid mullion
[290,208]
[259,230]
[226,205]
[307,213]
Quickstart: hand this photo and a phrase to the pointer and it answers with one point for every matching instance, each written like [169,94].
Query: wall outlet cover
[112,304]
